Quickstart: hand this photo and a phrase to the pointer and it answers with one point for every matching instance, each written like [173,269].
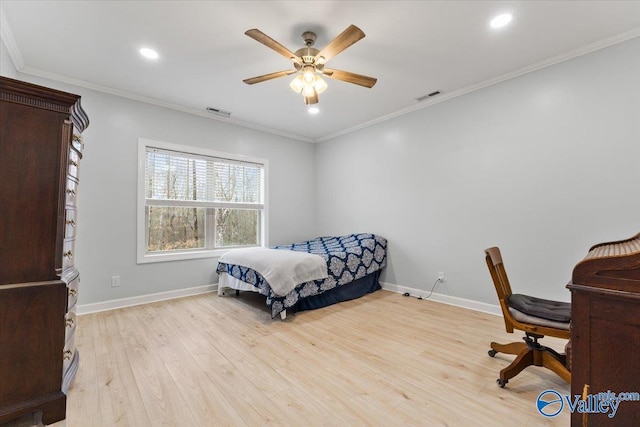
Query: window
[195,203]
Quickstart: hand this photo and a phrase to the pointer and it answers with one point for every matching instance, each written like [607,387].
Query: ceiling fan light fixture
[320,85]
[309,74]
[308,100]
[308,91]
[297,84]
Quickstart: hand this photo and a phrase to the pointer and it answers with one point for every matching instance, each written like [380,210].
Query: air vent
[432,94]
[219,112]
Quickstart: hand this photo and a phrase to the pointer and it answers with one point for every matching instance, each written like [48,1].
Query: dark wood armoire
[40,151]
[605,331]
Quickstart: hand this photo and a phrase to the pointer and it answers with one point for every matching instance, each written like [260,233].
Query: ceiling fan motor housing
[307,54]
[309,38]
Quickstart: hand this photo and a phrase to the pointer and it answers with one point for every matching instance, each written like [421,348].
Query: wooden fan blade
[345,39]
[269,76]
[261,37]
[346,76]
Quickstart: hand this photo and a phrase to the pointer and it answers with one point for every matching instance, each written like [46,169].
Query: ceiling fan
[309,63]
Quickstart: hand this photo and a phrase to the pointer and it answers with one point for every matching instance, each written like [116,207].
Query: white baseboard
[144,299]
[162,296]
[446,299]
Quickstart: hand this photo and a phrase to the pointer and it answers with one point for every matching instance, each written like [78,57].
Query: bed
[306,275]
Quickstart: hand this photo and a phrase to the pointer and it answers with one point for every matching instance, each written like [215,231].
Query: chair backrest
[503,289]
[501,283]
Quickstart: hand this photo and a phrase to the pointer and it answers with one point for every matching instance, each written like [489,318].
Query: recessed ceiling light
[148,53]
[501,20]
[313,110]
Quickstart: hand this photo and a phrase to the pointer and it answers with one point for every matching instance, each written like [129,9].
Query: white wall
[107,200]
[106,239]
[542,166]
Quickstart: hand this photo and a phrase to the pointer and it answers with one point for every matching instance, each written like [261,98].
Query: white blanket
[282,269]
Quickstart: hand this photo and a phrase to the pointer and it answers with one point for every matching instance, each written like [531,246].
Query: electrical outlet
[441,276]
[115,281]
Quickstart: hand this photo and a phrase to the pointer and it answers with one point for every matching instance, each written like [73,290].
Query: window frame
[141,230]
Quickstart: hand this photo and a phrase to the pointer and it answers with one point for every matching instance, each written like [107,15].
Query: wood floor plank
[86,384]
[163,402]
[380,360]
[120,401]
[203,394]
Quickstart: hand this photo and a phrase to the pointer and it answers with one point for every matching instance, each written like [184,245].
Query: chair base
[530,353]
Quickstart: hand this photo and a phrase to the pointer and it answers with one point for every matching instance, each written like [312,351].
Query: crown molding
[18,61]
[20,65]
[611,41]
[141,98]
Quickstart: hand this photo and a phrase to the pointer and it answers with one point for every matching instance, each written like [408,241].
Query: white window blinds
[186,179]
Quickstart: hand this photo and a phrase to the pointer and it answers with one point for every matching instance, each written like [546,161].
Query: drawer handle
[67,355]
[71,222]
[71,191]
[69,322]
[73,292]
[78,139]
[68,254]
[73,163]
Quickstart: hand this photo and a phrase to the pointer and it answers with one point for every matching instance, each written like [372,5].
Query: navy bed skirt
[353,290]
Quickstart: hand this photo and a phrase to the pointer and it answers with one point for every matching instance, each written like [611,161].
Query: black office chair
[536,317]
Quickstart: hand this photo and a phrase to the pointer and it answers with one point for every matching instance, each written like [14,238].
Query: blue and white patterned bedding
[348,258]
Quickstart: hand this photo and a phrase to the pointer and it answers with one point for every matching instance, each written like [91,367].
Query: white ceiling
[412,47]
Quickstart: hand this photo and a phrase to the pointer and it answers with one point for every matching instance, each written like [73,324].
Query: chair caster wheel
[502,383]
[492,352]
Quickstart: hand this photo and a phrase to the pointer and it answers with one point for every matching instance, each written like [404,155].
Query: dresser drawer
[74,163]
[71,192]
[68,352]
[68,253]
[72,279]
[69,374]
[70,324]
[71,216]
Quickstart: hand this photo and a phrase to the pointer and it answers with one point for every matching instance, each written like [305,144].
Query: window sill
[180,256]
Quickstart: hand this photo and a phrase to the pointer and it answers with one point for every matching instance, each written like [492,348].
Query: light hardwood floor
[382,360]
